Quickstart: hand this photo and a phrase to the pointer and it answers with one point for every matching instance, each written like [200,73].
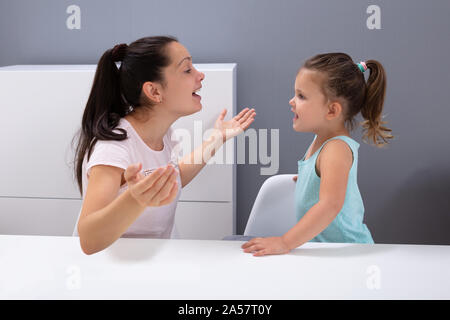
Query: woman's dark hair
[344,79]
[116,91]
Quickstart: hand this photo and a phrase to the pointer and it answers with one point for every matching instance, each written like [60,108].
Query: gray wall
[406,187]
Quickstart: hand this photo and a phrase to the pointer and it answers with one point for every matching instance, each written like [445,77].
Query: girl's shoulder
[339,144]
[341,148]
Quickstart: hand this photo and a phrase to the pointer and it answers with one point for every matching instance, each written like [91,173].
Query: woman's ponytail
[373,126]
[104,108]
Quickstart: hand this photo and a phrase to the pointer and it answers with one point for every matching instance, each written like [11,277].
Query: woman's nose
[202,76]
[291,102]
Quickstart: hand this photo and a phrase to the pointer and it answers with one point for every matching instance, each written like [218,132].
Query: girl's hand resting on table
[157,189]
[265,246]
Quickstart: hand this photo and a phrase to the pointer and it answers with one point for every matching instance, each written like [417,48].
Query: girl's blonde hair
[344,79]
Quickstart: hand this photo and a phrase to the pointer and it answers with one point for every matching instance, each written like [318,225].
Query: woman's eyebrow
[188,58]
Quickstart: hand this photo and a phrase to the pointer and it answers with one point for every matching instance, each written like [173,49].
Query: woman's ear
[334,110]
[152,91]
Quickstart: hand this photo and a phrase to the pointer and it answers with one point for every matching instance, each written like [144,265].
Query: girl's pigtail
[373,126]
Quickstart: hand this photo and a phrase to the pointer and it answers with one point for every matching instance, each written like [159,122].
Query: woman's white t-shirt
[154,222]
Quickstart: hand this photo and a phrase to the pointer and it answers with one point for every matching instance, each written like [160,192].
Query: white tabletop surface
[42,267]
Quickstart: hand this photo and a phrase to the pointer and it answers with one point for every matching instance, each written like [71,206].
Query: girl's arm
[192,163]
[334,166]
[105,217]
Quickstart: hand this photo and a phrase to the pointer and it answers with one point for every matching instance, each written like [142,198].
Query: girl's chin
[297,128]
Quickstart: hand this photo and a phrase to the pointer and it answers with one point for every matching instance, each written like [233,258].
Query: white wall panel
[43,106]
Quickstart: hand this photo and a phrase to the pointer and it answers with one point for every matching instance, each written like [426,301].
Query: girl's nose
[291,102]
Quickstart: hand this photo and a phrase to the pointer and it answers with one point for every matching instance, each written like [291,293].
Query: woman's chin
[198,107]
[194,109]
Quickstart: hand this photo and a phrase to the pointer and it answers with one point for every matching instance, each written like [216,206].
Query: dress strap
[352,144]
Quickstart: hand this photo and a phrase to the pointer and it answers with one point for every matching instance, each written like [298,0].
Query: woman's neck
[151,126]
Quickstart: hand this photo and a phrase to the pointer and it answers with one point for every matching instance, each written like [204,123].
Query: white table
[43,267]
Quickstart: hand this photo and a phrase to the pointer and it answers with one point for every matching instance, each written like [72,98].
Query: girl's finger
[253,248]
[260,253]
[248,243]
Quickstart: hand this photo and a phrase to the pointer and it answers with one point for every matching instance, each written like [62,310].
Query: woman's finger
[152,190]
[247,123]
[222,114]
[165,190]
[172,195]
[248,114]
[240,114]
[146,183]
[131,173]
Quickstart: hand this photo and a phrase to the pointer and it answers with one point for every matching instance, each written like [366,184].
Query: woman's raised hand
[157,189]
[235,126]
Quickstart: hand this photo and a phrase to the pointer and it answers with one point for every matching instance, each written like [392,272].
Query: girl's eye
[301,96]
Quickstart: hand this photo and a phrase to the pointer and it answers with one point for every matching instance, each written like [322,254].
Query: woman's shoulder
[112,148]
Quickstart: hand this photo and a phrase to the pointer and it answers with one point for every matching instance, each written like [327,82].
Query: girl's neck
[151,126]
[324,135]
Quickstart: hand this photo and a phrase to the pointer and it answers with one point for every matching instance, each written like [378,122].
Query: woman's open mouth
[195,95]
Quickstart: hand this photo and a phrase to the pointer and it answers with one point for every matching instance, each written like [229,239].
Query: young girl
[330,90]
[125,164]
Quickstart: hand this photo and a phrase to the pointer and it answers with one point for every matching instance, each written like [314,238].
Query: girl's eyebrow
[188,58]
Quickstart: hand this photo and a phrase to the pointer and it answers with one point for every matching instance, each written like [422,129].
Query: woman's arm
[192,163]
[335,163]
[105,217]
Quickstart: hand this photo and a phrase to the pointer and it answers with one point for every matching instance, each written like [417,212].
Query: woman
[126,135]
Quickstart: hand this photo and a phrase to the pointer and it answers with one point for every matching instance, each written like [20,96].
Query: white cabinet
[42,106]
[38,216]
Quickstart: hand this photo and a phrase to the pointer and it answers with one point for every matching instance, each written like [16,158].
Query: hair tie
[118,52]
[362,66]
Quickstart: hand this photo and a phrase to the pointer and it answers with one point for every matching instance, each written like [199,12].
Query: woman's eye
[301,96]
[188,71]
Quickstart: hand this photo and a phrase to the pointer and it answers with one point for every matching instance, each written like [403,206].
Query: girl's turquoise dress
[348,225]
